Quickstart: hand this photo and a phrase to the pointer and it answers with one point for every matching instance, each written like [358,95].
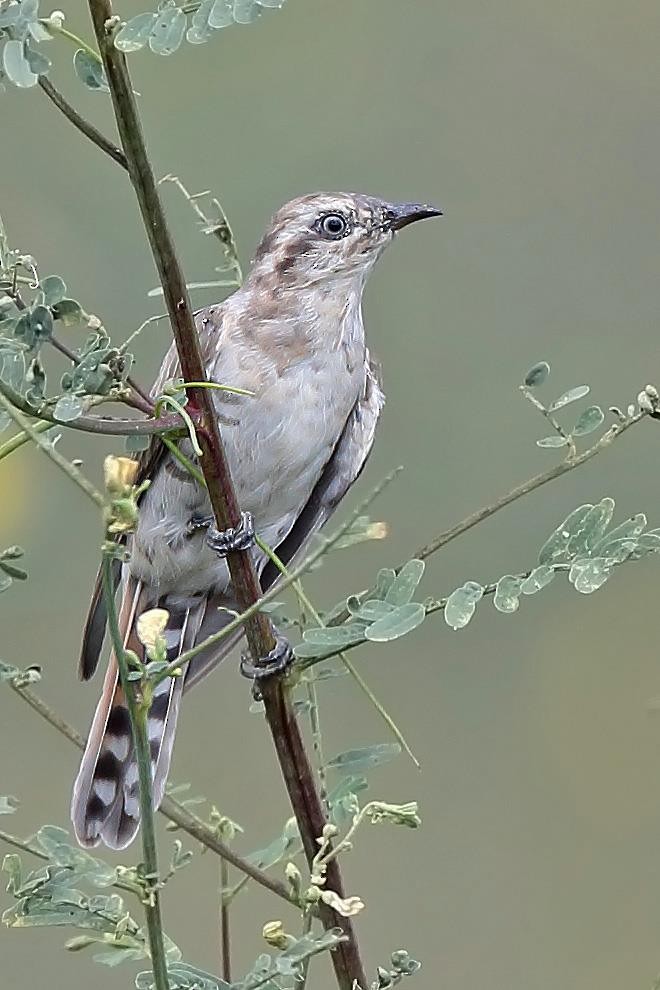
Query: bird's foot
[230,540]
[277,661]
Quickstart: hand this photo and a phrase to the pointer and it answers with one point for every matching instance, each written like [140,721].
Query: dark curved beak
[402,214]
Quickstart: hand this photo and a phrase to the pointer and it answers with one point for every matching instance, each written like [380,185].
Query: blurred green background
[535,126]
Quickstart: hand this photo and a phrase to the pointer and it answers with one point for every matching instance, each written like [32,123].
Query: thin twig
[30,847]
[105,426]
[84,126]
[225,936]
[531,485]
[53,453]
[169,808]
[138,713]
[348,664]
[9,446]
[294,762]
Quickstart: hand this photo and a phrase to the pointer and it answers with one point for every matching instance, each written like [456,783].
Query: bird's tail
[105,804]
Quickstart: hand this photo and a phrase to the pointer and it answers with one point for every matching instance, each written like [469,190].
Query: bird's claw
[277,661]
[235,538]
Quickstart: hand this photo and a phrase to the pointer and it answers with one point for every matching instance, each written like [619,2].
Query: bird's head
[330,238]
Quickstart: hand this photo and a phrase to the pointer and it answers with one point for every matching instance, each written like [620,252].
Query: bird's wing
[340,472]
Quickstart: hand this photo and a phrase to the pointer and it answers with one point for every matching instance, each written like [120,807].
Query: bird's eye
[333,226]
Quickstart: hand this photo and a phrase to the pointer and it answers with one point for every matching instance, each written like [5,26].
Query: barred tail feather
[105,804]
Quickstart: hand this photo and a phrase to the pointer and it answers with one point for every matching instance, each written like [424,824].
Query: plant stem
[56,28]
[348,664]
[294,762]
[225,938]
[109,426]
[84,126]
[138,713]
[9,446]
[169,808]
[30,847]
[531,485]
[53,453]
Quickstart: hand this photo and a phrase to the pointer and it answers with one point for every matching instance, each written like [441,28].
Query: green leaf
[200,30]
[629,529]
[16,66]
[461,604]
[68,408]
[68,312]
[553,441]
[12,367]
[39,63]
[369,611]
[355,761]
[405,583]
[589,532]
[286,844]
[507,593]
[589,574]
[41,323]
[168,30]
[53,288]
[135,33]
[400,621]
[555,548]
[589,421]
[539,578]
[647,543]
[5,581]
[323,640]
[384,581]
[537,374]
[8,804]
[90,71]
[246,11]
[572,395]
[221,14]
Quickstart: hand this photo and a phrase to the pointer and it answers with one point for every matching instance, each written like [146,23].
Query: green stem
[71,471]
[170,808]
[225,938]
[138,714]
[13,840]
[9,446]
[348,664]
[56,28]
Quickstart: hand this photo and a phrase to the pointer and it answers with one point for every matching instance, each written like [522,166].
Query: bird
[292,338]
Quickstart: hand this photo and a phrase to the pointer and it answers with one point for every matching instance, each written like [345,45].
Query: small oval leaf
[168,31]
[68,407]
[589,421]
[539,578]
[461,604]
[507,593]
[135,33]
[356,761]
[53,288]
[572,395]
[589,575]
[16,66]
[400,621]
[554,550]
[537,374]
[90,71]
[403,587]
[553,441]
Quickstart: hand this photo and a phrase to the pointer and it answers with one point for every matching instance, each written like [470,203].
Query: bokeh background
[536,127]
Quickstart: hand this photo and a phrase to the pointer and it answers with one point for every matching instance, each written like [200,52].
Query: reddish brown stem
[294,762]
